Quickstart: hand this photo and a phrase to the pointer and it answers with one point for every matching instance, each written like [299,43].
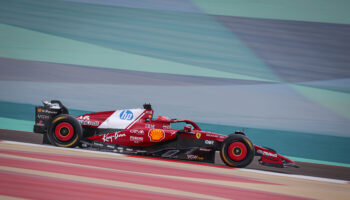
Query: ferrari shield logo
[198,135]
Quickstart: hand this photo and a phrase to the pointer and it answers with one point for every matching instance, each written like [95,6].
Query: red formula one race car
[133,131]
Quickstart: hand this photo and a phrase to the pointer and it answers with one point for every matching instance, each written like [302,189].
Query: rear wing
[45,113]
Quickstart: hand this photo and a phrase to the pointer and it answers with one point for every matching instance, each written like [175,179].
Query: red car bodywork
[139,133]
[134,131]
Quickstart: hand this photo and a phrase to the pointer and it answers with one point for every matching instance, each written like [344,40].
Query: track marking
[294,187]
[41,187]
[161,161]
[111,183]
[5,197]
[205,189]
[129,166]
[182,178]
[54,147]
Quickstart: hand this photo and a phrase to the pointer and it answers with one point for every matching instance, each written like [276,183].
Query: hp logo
[126,115]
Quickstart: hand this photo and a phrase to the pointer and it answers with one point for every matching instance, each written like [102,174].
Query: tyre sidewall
[74,141]
[237,138]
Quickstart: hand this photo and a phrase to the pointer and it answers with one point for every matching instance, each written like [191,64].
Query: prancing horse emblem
[198,135]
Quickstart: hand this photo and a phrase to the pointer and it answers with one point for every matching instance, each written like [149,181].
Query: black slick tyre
[65,131]
[237,151]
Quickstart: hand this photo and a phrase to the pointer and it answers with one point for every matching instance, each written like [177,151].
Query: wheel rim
[237,151]
[64,131]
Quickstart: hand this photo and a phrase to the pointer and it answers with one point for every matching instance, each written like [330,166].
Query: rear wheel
[65,131]
[237,151]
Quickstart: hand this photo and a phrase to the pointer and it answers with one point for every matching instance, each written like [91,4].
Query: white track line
[313,178]
[67,149]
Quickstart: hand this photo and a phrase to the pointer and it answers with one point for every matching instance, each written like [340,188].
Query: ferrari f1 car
[134,131]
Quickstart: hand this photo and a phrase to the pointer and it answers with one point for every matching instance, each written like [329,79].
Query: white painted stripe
[106,120]
[139,117]
[329,180]
[65,149]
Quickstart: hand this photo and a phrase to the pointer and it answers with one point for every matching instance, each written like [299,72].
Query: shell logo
[156,135]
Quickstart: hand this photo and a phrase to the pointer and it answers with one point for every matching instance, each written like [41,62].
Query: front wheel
[237,151]
[65,131]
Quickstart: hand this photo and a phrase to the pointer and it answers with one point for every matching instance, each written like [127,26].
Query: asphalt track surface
[307,169]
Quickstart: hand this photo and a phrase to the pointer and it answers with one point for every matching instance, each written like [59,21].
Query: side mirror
[187,128]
